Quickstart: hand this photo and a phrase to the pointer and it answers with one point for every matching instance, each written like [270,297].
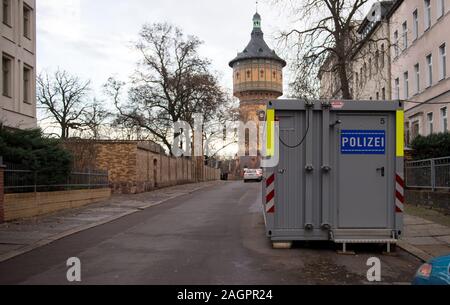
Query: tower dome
[258,70]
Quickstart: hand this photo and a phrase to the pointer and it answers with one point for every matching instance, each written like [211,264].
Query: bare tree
[95,117]
[62,95]
[331,33]
[172,83]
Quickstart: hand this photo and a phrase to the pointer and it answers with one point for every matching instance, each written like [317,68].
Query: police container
[333,170]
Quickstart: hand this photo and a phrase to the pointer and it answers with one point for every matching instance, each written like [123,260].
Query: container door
[289,186]
[362,171]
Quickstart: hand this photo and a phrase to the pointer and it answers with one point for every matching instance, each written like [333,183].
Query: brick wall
[439,200]
[136,167]
[27,205]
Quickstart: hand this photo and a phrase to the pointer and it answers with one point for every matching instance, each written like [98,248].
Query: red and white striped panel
[270,194]
[399,194]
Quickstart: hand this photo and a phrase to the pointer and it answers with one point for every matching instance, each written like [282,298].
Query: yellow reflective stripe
[400,133]
[270,118]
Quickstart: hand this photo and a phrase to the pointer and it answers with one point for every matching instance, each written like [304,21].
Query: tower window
[248,73]
[262,73]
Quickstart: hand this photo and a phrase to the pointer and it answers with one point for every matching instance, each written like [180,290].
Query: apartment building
[420,40]
[18,65]
[369,65]
[371,60]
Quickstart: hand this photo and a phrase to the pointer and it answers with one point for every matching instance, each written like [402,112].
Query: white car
[253,175]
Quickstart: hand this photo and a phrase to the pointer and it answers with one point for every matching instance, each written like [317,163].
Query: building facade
[18,65]
[368,68]
[371,77]
[257,78]
[420,40]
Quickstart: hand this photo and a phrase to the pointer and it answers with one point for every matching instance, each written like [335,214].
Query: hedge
[31,150]
[432,146]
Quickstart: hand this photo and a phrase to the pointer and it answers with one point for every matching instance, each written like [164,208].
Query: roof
[385,7]
[257,47]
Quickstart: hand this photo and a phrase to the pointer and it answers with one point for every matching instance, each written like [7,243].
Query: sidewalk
[19,237]
[424,238]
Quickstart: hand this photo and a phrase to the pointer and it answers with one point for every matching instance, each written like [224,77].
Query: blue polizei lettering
[367,142]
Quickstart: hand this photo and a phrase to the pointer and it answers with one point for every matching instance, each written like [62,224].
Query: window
[378,96]
[7,12]
[406,84]
[430,70]
[405,35]
[377,60]
[443,61]
[383,91]
[427,14]
[365,73]
[370,68]
[430,122]
[407,133]
[27,74]
[396,43]
[415,25]
[417,74]
[441,8]
[361,78]
[356,79]
[397,88]
[26,21]
[382,56]
[444,119]
[249,73]
[415,128]
[261,74]
[7,75]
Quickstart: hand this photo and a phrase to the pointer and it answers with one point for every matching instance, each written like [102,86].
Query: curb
[420,254]
[47,241]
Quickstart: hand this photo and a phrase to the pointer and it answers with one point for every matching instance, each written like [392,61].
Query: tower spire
[257,19]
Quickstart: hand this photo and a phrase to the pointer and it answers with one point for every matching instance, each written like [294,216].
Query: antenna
[256,5]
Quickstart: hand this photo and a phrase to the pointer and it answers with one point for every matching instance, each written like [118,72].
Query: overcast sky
[94,39]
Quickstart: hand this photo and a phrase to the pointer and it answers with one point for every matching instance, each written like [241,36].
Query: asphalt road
[213,236]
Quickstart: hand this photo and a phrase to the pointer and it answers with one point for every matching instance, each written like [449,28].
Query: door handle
[382,170]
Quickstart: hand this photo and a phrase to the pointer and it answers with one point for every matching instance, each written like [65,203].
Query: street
[212,236]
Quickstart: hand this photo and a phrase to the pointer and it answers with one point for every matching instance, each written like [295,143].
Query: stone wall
[26,205]
[136,166]
[2,214]
[437,200]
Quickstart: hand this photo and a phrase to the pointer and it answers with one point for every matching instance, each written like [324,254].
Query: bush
[433,146]
[32,151]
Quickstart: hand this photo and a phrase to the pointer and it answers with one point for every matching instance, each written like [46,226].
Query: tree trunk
[345,85]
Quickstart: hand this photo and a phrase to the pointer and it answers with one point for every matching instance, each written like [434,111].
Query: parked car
[434,272]
[253,175]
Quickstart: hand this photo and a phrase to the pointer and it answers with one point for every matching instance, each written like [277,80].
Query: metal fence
[18,179]
[431,174]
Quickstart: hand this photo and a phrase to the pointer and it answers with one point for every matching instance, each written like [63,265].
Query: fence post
[433,174]
[35,181]
[2,192]
[89,179]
